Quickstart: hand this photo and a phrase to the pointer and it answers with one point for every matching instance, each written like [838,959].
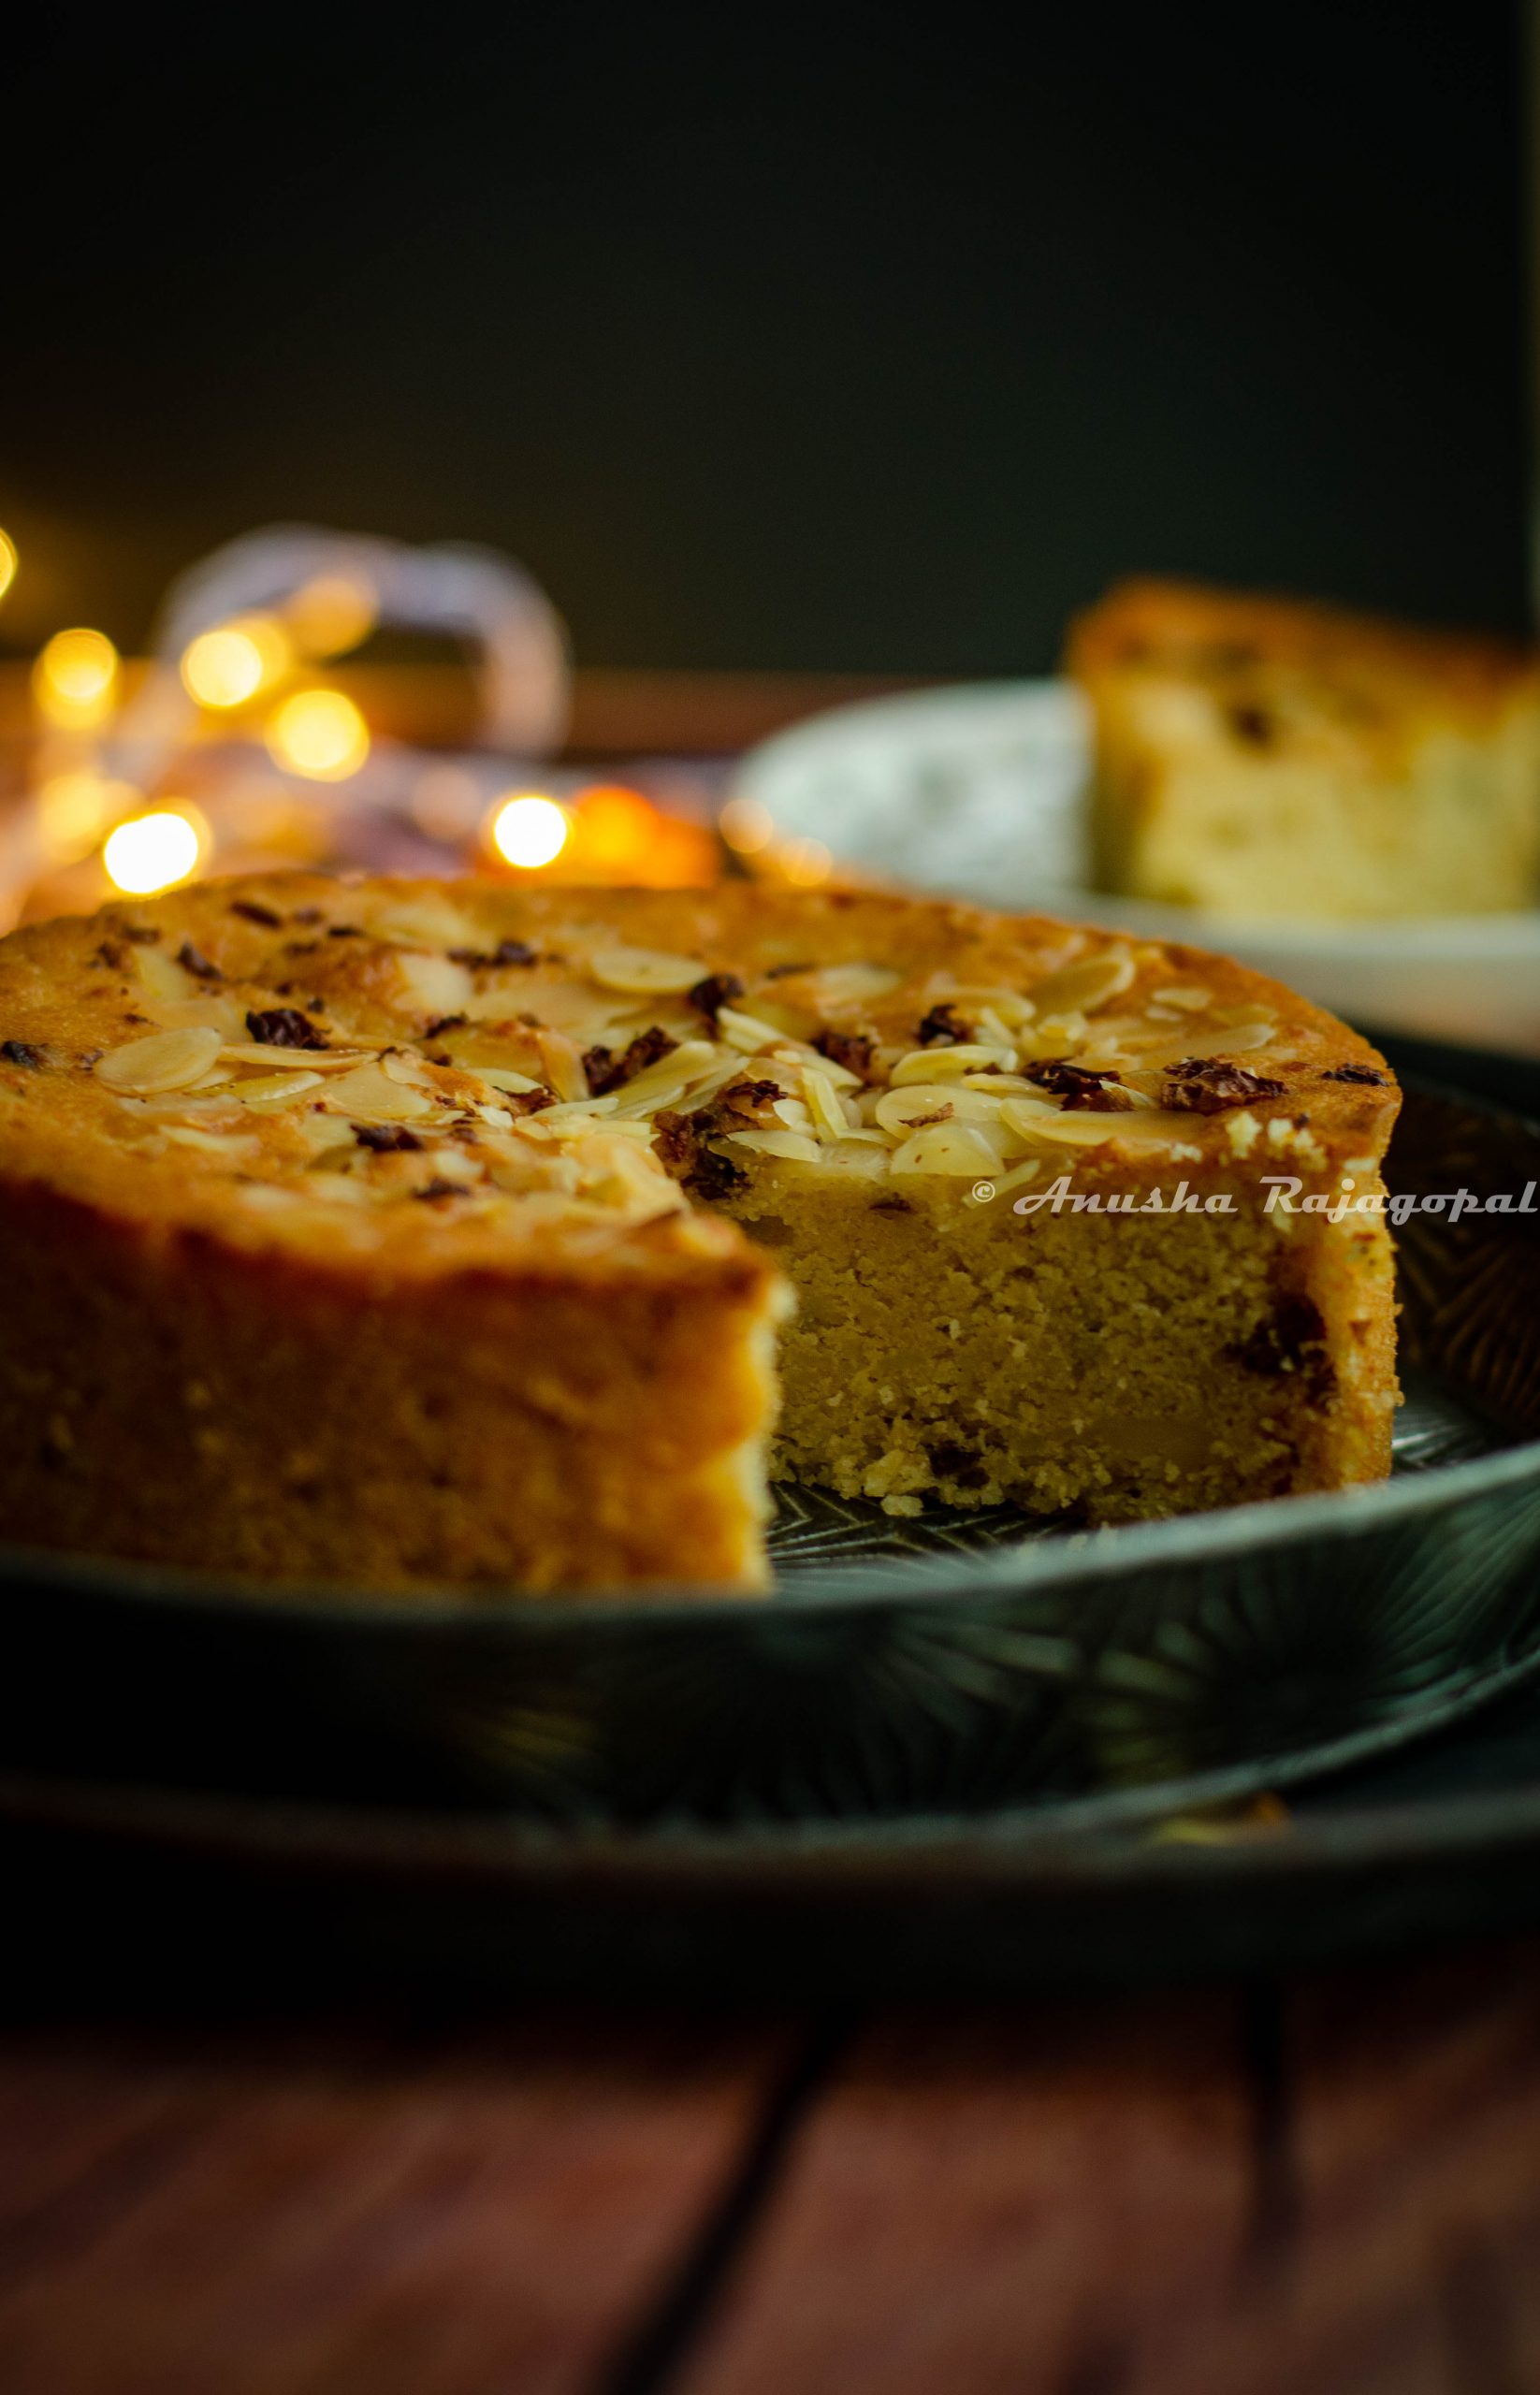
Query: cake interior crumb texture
[392,1235]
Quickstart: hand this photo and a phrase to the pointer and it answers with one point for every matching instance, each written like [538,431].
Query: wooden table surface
[1326,2185]
[1333,2185]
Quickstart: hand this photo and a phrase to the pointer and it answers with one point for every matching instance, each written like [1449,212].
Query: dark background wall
[777,340]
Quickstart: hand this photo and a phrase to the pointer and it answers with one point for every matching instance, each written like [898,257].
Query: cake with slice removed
[402,1234]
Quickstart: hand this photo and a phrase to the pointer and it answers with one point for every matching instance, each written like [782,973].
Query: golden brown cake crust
[337,1267]
[1400,671]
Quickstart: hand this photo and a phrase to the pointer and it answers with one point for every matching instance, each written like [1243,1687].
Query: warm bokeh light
[229,665]
[529,830]
[154,853]
[319,734]
[8,562]
[333,613]
[615,827]
[74,810]
[73,679]
[745,825]
[806,863]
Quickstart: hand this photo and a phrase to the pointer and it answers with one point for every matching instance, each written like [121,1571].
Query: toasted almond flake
[677,1070]
[748,1034]
[162,976]
[1068,1130]
[426,923]
[700,1092]
[406,1067]
[369,1094]
[794,1114]
[661,1096]
[648,972]
[850,985]
[1183,995]
[1247,1014]
[579,1117]
[496,1117]
[900,1110]
[560,1064]
[1023,1114]
[324,1133]
[840,1075]
[435,984]
[635,1127]
[224,1015]
[956,1149]
[269,1092]
[498,1076]
[1011,1007]
[1052,1034]
[1080,989]
[1153,1053]
[165,1060]
[294,1060]
[940,1064]
[213,1143]
[823,1104]
[795,1145]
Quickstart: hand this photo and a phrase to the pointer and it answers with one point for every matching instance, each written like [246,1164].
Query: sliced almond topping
[162,976]
[436,984]
[424,922]
[409,1070]
[899,1111]
[1080,989]
[224,1015]
[1009,1005]
[796,1145]
[956,1149]
[167,1060]
[648,972]
[940,1064]
[748,1034]
[852,985]
[370,1095]
[268,1092]
[213,1143]
[675,1071]
[823,1104]
[294,1060]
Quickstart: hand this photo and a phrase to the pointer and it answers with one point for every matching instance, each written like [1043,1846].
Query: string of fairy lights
[255,682]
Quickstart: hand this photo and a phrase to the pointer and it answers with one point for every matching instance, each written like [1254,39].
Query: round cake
[403,1235]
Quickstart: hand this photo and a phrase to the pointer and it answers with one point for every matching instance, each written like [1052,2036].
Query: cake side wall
[166,1397]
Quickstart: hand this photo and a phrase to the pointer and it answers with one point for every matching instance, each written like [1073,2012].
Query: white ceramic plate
[977,792]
